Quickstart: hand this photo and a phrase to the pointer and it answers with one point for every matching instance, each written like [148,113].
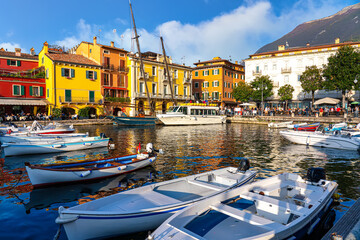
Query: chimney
[2,50]
[32,51]
[236,62]
[18,52]
[95,39]
[281,47]
[112,43]
[337,40]
[46,47]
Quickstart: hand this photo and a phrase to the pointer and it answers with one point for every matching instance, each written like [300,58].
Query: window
[299,77]
[257,69]
[197,95]
[142,87]
[236,84]
[18,90]
[196,73]
[13,63]
[216,83]
[91,75]
[92,96]
[215,95]
[236,76]
[47,92]
[122,54]
[47,73]
[206,73]
[286,79]
[185,91]
[176,90]
[90,50]
[205,84]
[67,72]
[265,67]
[165,89]
[196,85]
[67,95]
[121,81]
[154,88]
[42,60]
[36,91]
[215,72]
[274,67]
[106,52]
[175,74]
[154,71]
[106,79]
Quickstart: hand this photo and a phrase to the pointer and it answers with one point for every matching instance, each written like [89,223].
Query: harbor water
[26,213]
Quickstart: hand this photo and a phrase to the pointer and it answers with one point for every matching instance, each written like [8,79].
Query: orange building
[214,80]
[114,78]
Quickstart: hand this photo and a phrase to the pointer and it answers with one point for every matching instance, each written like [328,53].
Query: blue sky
[192,29]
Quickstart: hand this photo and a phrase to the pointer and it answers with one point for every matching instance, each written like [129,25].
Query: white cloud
[237,33]
[10,46]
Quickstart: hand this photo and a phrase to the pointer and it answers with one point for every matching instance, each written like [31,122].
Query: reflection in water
[188,150]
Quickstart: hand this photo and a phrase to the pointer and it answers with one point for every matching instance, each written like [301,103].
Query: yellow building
[72,81]
[114,84]
[157,83]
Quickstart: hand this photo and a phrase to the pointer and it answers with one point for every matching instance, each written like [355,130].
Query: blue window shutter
[72,73]
[95,75]
[62,72]
[22,92]
[41,91]
[18,63]
[30,91]
[8,62]
[87,74]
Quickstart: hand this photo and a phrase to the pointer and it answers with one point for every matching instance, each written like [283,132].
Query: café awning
[327,100]
[17,102]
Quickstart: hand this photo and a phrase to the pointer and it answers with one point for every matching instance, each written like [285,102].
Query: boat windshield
[173,109]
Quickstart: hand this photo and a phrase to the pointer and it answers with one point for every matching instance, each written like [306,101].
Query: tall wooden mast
[168,72]
[142,71]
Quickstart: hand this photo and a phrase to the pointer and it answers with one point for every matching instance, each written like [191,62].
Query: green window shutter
[196,74]
[95,75]
[203,84]
[207,72]
[15,90]
[67,95]
[41,91]
[212,72]
[91,96]
[62,72]
[203,73]
[87,74]
[18,63]
[8,62]
[212,84]
[30,91]
[212,95]
[47,92]
[22,92]
[72,73]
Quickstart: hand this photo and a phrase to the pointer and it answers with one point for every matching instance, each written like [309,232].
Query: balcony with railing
[117,99]
[187,80]
[79,100]
[108,67]
[122,69]
[286,70]
[257,72]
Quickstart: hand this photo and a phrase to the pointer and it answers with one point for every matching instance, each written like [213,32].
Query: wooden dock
[347,224]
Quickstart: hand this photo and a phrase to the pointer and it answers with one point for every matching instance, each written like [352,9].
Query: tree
[242,92]
[311,80]
[341,71]
[286,93]
[262,87]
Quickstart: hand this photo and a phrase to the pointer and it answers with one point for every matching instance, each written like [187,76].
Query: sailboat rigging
[168,72]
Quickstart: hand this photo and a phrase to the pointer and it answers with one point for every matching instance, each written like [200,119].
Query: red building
[22,83]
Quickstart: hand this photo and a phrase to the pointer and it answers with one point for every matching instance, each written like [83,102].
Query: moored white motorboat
[49,174]
[146,207]
[281,207]
[320,139]
[292,126]
[192,114]
[279,124]
[9,138]
[37,128]
[53,146]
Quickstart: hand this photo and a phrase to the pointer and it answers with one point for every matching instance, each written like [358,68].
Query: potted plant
[84,113]
[56,113]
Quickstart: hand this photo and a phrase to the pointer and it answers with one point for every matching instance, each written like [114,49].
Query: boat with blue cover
[134,121]
[50,174]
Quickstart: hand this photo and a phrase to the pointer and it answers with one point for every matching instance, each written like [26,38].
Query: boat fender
[85,173]
[244,165]
[328,220]
[315,174]
[121,168]
[57,145]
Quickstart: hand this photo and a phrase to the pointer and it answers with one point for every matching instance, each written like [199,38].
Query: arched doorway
[163,107]
[92,112]
[67,112]
[117,112]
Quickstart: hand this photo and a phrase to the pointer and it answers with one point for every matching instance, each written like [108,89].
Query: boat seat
[206,185]
[247,217]
[295,209]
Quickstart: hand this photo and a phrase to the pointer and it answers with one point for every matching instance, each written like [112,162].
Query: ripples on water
[30,214]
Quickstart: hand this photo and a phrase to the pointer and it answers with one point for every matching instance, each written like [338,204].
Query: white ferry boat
[192,114]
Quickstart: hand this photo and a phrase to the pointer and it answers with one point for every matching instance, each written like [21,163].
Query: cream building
[286,65]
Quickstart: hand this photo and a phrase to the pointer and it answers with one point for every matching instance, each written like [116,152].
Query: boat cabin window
[173,109]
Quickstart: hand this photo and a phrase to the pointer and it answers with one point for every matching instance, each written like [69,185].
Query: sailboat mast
[142,71]
[168,72]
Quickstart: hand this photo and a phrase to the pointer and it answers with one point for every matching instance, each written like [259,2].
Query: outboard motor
[151,150]
[316,174]
[102,135]
[244,165]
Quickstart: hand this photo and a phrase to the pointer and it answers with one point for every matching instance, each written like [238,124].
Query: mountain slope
[344,25]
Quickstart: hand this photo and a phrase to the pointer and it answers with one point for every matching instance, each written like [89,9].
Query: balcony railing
[117,99]
[164,96]
[187,80]
[109,67]
[123,69]
[140,76]
[286,70]
[257,72]
[82,100]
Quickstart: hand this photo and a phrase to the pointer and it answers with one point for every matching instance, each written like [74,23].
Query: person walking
[356,113]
